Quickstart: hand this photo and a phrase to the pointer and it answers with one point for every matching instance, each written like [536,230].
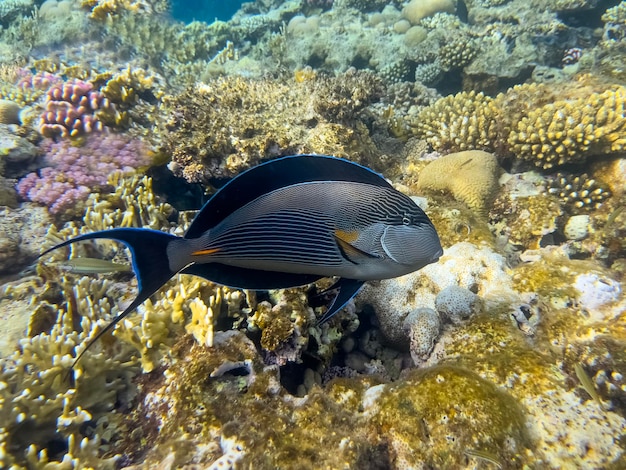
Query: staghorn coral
[471,177]
[35,398]
[529,123]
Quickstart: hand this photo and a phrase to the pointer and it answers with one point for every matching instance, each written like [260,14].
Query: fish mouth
[437,255]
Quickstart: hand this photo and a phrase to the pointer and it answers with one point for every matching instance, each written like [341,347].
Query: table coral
[471,177]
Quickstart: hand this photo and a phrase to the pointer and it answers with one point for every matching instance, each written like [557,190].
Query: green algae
[442,411]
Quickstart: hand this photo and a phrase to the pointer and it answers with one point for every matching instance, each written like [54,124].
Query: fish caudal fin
[150,264]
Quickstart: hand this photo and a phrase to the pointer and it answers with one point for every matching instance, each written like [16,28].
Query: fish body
[287,223]
[92,266]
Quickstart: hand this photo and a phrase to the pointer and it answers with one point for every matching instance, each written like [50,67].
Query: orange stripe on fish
[208,251]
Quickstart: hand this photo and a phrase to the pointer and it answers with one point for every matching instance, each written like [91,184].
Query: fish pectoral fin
[208,251]
[348,250]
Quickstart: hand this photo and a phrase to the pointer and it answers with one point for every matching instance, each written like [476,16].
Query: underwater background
[506,119]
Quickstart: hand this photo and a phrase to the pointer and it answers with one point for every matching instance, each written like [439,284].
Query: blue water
[204,10]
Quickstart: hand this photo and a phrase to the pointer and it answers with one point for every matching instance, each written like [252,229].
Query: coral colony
[71,110]
[72,172]
[503,119]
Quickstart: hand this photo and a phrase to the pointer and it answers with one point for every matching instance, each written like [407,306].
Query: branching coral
[73,172]
[529,123]
[103,9]
[571,131]
[36,399]
[229,124]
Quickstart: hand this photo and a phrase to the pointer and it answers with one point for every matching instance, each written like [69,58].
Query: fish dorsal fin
[273,175]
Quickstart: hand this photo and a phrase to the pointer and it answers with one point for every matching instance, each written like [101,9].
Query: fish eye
[406,220]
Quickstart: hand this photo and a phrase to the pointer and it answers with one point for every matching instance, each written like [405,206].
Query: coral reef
[424,325]
[229,124]
[72,110]
[579,193]
[471,177]
[73,172]
[456,303]
[544,132]
[508,352]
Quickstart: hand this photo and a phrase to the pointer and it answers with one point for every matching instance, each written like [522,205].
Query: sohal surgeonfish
[287,223]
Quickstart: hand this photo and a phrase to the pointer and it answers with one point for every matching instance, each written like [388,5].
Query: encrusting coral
[471,177]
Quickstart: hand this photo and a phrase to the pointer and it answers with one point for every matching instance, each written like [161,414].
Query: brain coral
[470,176]
[529,123]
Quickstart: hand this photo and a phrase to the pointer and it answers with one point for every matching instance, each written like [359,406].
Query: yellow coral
[458,122]
[570,131]
[103,9]
[124,87]
[9,112]
[529,123]
[471,177]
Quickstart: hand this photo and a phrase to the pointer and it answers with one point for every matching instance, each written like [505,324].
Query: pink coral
[38,81]
[72,110]
[74,172]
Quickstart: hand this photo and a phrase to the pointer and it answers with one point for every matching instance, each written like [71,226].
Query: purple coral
[72,110]
[74,172]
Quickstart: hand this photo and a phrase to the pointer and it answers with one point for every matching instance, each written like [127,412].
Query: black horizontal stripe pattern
[275,175]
